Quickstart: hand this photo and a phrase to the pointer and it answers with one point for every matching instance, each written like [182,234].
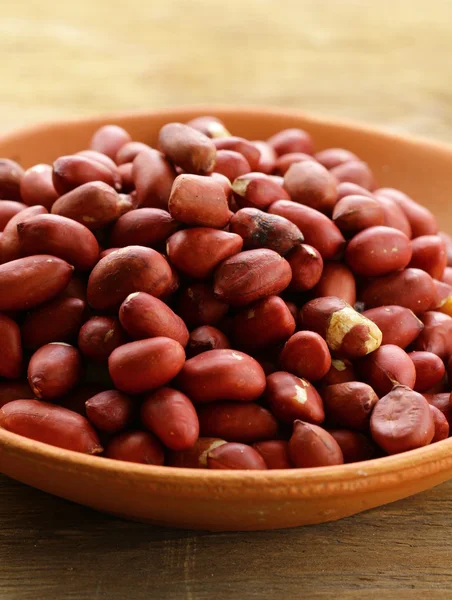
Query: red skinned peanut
[240,145]
[69,172]
[211,126]
[355,446]
[54,370]
[290,397]
[354,171]
[99,336]
[36,186]
[275,453]
[9,239]
[312,446]
[153,177]
[143,227]
[341,371]
[171,416]
[401,421]
[231,164]
[429,370]
[349,404]
[199,306]
[399,325]
[205,338]
[355,213]
[332,157]
[8,209]
[109,139]
[145,365]
[136,446]
[306,355]
[388,366]
[307,267]
[441,425]
[196,456]
[143,316]
[421,220]
[309,183]
[188,148]
[436,336]
[429,254]
[291,140]
[110,411]
[10,349]
[50,424]
[336,280]
[14,390]
[200,201]
[222,375]
[237,422]
[235,456]
[11,174]
[257,190]
[285,161]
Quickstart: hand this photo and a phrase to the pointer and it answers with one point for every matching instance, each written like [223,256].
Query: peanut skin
[312,446]
[235,456]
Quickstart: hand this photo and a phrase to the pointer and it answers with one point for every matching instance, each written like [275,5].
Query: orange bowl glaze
[239,500]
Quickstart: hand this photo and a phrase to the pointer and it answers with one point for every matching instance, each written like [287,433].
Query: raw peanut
[188,148]
[393,215]
[442,402]
[93,204]
[70,172]
[441,425]
[429,370]
[143,316]
[410,288]
[347,333]
[336,280]
[125,172]
[291,140]
[235,456]
[306,355]
[264,324]
[174,282]
[11,174]
[110,411]
[261,230]
[447,239]
[443,301]
[378,251]
[8,209]
[205,338]
[143,227]
[399,325]
[250,276]
[349,404]
[28,282]
[447,275]
[171,416]
[76,288]
[199,306]
[57,321]
[287,160]
[196,456]
[237,422]
[267,158]
[222,375]
[345,188]
[200,201]
[231,164]
[36,186]
[333,157]
[429,254]
[59,236]
[54,370]
[76,399]
[145,365]
[137,447]
[312,185]
[100,158]
[14,390]
[50,424]
[128,152]
[307,267]
[388,366]
[10,348]
[198,251]
[293,308]
[354,171]
[290,397]
[421,220]
[257,190]
[312,446]
[238,144]
[318,230]
[355,213]
[341,371]
[275,453]
[9,241]
[210,126]
[436,336]
[99,337]
[227,188]
[109,139]
[153,176]
[354,445]
[401,421]
[125,271]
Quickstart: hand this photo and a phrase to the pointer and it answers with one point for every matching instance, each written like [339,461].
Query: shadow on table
[50,548]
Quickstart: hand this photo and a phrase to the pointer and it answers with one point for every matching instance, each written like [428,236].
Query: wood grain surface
[384,62]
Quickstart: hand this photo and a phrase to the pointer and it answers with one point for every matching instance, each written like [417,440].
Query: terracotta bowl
[239,500]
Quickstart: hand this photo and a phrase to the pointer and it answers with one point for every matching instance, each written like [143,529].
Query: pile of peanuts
[221,303]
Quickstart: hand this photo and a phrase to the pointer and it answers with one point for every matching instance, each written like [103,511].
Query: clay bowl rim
[351,478]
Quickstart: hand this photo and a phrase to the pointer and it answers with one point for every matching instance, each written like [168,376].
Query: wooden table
[384,62]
